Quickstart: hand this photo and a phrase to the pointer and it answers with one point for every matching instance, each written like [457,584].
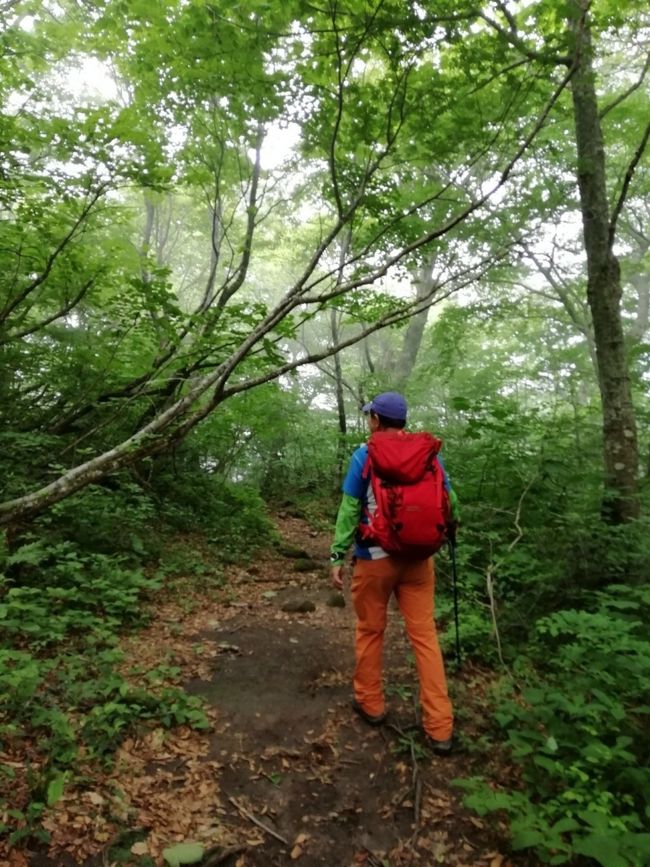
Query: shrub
[576,730]
[61,692]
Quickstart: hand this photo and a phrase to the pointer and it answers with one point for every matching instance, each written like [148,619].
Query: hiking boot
[377,720]
[440,748]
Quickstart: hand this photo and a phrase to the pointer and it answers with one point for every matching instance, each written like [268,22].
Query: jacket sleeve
[454,504]
[347,521]
[453,496]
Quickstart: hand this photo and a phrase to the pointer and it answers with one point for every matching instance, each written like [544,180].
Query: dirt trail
[288,774]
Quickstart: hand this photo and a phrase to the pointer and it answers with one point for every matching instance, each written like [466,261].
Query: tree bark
[424,282]
[338,375]
[620,446]
[341,450]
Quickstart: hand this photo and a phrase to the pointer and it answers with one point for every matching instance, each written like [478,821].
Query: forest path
[285,751]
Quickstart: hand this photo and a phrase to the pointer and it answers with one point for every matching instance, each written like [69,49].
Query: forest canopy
[141,225]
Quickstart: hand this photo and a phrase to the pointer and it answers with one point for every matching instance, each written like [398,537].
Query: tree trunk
[338,376]
[145,248]
[620,447]
[424,281]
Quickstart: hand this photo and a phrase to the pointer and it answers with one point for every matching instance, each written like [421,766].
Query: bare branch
[512,37]
[391,318]
[230,288]
[627,180]
[48,320]
[11,304]
[623,96]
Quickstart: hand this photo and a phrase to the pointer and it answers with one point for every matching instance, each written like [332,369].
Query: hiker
[377,574]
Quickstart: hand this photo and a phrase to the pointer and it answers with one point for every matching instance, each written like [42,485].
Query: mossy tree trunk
[620,446]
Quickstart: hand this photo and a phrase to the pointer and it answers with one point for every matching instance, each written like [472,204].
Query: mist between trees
[189,322]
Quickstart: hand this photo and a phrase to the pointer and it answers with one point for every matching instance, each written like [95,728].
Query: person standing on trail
[391,479]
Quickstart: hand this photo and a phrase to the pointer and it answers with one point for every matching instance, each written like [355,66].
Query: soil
[287,773]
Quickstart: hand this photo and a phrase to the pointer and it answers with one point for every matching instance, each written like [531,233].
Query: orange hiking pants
[373,582]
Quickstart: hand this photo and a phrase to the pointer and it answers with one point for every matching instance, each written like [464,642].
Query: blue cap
[389,404]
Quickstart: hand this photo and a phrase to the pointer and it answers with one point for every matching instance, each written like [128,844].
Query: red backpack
[412,511]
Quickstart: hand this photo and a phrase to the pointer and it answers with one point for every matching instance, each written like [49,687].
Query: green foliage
[577,730]
[62,608]
[74,705]
[119,290]
[232,517]
[568,590]
[68,593]
[409,744]
[112,519]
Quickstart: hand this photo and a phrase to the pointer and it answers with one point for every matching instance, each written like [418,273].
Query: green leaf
[183,853]
[524,838]
[31,554]
[603,849]
[55,789]
[550,765]
[551,744]
[566,824]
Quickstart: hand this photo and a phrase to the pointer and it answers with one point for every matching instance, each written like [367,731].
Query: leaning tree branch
[463,215]
[394,317]
[155,436]
[167,354]
[439,194]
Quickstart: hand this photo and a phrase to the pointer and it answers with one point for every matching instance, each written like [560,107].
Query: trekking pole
[452,554]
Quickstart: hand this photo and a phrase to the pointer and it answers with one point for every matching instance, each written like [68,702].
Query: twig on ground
[256,821]
[417,801]
[469,843]
[416,780]
[397,802]
[416,707]
[398,730]
[372,860]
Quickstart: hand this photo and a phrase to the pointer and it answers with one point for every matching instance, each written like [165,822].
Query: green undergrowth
[318,510]
[574,719]
[70,586]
